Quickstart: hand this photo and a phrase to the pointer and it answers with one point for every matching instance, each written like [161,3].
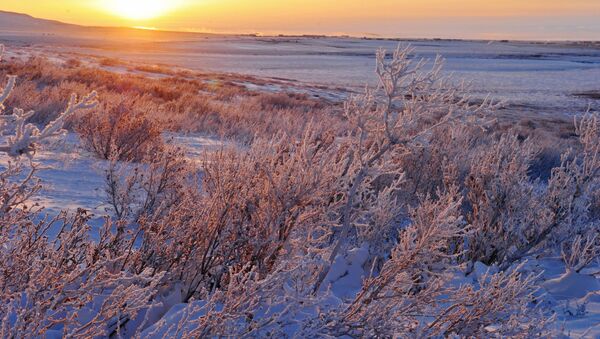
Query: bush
[404,194]
[119,130]
[66,282]
[199,104]
[249,209]
[150,189]
[283,205]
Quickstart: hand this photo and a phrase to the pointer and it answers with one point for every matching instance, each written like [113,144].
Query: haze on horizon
[469,19]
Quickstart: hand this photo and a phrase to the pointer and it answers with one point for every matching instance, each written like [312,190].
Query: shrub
[110,62]
[570,190]
[119,130]
[195,104]
[581,251]
[249,209]
[386,125]
[497,187]
[65,282]
[409,177]
[309,202]
[149,189]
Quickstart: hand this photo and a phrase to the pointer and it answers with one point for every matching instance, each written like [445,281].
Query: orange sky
[531,19]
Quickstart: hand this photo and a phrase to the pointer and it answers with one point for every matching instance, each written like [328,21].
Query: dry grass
[201,103]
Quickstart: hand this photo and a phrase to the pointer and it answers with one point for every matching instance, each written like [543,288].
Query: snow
[71,179]
[540,77]
[347,273]
[572,285]
[533,77]
[74,179]
[573,297]
[480,270]
[343,281]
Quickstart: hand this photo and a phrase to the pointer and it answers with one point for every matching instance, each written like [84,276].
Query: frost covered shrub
[54,279]
[573,184]
[442,161]
[512,214]
[26,135]
[405,180]
[46,102]
[196,103]
[359,205]
[412,296]
[386,124]
[511,207]
[70,284]
[148,190]
[246,215]
[120,130]
[497,189]
[501,306]
[246,117]
[581,251]
[14,193]
[277,305]
[286,101]
[190,111]
[410,276]
[407,294]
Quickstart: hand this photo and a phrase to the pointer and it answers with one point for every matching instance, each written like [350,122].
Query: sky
[478,19]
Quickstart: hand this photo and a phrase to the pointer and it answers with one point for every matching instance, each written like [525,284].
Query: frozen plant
[26,135]
[497,186]
[260,242]
[566,200]
[150,189]
[501,306]
[250,209]
[54,278]
[386,124]
[120,129]
[582,251]
[23,139]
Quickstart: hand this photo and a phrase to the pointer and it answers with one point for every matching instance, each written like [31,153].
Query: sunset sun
[139,9]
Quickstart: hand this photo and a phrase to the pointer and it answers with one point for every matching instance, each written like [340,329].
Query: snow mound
[572,285]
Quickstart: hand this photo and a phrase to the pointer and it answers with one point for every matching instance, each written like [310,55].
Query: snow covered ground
[71,179]
[573,298]
[534,77]
[74,179]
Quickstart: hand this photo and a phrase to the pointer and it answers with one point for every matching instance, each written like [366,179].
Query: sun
[139,9]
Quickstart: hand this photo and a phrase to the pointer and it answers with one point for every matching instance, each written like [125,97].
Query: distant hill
[10,21]
[40,30]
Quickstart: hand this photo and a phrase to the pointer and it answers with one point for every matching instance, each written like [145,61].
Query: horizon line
[275,34]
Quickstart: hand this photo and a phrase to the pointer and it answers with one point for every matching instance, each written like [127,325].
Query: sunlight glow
[139,9]
[474,19]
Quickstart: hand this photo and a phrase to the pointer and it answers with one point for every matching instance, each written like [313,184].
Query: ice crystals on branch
[26,135]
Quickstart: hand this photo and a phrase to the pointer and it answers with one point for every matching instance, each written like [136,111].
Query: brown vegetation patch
[188,102]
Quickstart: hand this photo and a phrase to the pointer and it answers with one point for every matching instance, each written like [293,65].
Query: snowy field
[73,178]
[534,78]
[523,72]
